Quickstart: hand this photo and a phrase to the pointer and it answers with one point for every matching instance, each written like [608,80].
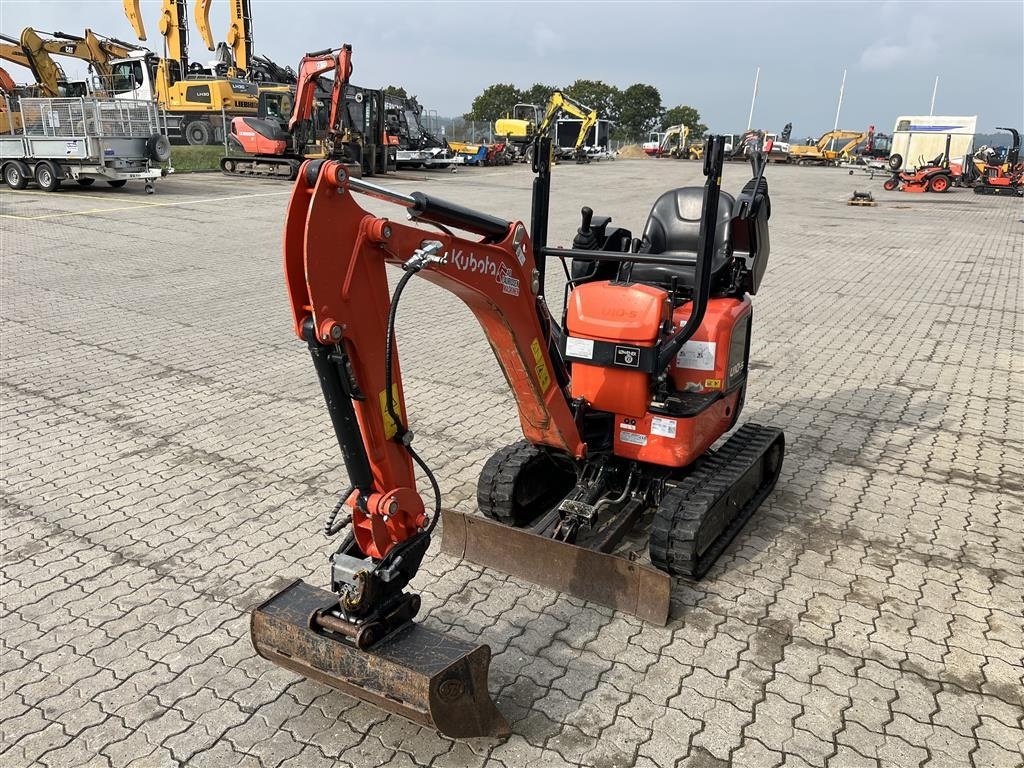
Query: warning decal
[539,366]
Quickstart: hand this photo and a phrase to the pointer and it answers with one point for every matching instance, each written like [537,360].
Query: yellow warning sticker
[541,367]
[712,383]
[390,428]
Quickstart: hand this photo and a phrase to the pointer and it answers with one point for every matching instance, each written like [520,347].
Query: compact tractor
[620,399]
[935,176]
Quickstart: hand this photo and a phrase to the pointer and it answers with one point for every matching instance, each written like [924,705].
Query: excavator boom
[11,50]
[134,14]
[239,37]
[202,15]
[335,256]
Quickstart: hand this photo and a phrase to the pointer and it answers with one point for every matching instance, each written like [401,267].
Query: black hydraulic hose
[330,528]
[401,431]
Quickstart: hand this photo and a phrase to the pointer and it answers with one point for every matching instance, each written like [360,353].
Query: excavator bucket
[589,574]
[428,677]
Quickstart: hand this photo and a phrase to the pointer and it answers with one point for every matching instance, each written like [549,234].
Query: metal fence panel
[89,117]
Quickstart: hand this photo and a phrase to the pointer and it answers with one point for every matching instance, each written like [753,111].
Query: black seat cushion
[673,229]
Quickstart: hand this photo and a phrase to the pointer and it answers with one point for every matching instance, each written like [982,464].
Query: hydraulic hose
[402,434]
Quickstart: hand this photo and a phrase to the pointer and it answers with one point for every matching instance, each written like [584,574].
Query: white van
[917,140]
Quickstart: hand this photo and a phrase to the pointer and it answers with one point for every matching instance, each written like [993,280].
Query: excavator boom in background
[33,52]
[194,97]
[528,124]
[292,127]
[619,403]
[830,149]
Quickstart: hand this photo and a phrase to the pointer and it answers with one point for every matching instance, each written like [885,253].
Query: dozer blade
[584,573]
[426,676]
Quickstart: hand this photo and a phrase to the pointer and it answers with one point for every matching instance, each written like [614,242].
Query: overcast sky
[702,54]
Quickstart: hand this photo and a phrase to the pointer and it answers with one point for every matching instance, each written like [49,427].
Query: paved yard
[167,463]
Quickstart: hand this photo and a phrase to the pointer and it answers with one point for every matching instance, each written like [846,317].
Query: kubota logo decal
[484,265]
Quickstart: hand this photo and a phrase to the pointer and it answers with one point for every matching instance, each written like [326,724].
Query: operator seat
[673,229]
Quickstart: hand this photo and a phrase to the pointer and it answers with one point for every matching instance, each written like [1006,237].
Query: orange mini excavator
[285,134]
[620,404]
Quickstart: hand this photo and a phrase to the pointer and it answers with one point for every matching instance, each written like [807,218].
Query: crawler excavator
[824,151]
[620,401]
[528,124]
[287,132]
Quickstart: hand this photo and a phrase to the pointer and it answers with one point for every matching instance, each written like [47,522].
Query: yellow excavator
[199,104]
[827,150]
[527,126]
[31,52]
[96,50]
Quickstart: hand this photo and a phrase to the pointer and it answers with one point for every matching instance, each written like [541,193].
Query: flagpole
[750,117]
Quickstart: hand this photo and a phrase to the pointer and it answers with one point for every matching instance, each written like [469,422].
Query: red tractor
[935,176]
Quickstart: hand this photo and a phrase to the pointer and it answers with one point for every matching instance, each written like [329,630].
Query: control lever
[745,209]
[585,239]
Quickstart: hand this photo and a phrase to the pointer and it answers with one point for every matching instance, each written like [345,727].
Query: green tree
[596,95]
[394,90]
[494,102]
[538,94]
[684,115]
[639,110]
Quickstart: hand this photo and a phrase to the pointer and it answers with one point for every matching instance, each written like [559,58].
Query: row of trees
[636,110]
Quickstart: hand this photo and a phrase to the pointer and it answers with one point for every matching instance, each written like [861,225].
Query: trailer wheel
[85,181]
[16,174]
[158,148]
[197,133]
[117,183]
[940,183]
[895,162]
[47,176]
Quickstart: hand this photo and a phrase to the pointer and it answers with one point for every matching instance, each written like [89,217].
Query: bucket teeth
[428,677]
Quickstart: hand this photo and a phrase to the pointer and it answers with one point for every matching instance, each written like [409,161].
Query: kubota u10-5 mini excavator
[619,403]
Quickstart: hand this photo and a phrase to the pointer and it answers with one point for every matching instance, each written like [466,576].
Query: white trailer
[84,139]
[917,140]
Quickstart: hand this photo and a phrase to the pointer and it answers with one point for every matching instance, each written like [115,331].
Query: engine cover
[632,315]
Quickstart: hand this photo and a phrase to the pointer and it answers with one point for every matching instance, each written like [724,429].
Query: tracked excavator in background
[1004,177]
[31,51]
[528,124]
[620,401]
[290,129]
[830,149]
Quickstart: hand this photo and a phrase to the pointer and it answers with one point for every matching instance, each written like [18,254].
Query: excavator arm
[97,51]
[559,103]
[11,50]
[239,37]
[312,67]
[173,25]
[335,257]
[46,71]
[134,14]
[202,14]
[359,637]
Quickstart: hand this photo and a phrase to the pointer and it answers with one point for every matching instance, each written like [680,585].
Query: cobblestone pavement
[167,462]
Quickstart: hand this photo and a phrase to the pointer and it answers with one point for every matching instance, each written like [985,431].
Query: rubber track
[496,487]
[678,518]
